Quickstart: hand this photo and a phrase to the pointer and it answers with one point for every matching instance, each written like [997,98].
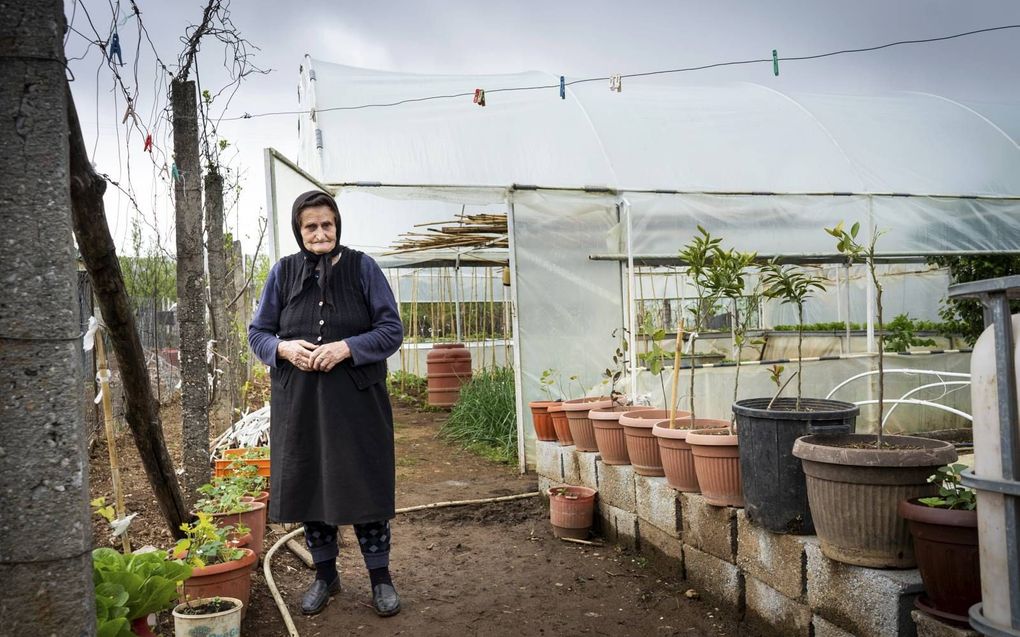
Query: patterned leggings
[373,538]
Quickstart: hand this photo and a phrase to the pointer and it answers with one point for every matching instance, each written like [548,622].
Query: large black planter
[775,490]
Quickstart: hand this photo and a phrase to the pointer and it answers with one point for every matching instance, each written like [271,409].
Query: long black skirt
[331,448]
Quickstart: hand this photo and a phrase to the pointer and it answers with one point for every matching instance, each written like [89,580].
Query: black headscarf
[313,263]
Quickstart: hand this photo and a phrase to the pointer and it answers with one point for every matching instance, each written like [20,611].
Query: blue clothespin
[115,49]
[563,88]
[775,62]
[174,173]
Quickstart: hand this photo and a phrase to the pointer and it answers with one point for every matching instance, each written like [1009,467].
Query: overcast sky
[572,38]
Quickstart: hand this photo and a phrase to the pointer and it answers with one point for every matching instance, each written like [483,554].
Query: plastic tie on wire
[563,88]
[147,147]
[479,97]
[616,83]
[89,340]
[775,62]
[115,49]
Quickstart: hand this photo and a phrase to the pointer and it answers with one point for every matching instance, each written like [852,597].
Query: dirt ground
[494,569]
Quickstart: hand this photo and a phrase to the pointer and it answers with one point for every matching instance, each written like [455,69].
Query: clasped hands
[309,357]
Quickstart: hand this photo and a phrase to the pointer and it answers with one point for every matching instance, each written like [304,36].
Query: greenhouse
[603,188]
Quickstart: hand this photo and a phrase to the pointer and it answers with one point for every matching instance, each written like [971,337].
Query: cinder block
[708,528]
[827,629]
[775,559]
[773,612]
[616,485]
[928,626]
[618,526]
[587,466]
[721,581]
[662,548]
[568,460]
[657,502]
[544,484]
[866,602]
[548,460]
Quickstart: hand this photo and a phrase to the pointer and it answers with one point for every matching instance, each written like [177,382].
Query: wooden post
[111,440]
[676,375]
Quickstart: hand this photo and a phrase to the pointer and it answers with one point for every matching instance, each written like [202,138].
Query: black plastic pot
[775,490]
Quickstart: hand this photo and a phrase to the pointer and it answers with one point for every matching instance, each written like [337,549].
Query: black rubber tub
[775,490]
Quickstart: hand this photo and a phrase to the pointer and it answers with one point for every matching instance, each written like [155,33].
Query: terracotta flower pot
[854,492]
[228,579]
[641,444]
[717,464]
[541,420]
[609,436]
[560,425]
[946,547]
[677,459]
[254,519]
[581,429]
[571,511]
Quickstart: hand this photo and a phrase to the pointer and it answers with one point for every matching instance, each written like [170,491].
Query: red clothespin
[479,97]
[148,143]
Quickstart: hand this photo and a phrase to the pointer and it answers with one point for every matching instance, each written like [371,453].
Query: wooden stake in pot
[676,375]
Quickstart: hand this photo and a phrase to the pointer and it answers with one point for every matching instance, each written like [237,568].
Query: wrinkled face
[318,229]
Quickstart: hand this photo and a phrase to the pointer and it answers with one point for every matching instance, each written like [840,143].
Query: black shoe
[385,600]
[317,596]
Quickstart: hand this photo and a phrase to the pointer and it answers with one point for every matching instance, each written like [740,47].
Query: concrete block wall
[779,583]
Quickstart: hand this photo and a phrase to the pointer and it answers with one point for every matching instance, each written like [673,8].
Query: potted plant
[219,567]
[257,456]
[571,511]
[944,529]
[540,417]
[247,478]
[716,451]
[582,429]
[128,588]
[208,616]
[228,501]
[856,481]
[558,413]
[671,434]
[775,490]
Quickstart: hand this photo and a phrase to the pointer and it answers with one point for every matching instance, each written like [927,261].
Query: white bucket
[225,623]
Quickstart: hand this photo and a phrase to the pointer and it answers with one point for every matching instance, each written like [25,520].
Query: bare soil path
[477,570]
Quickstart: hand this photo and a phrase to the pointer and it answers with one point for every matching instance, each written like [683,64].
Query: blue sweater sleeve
[265,324]
[387,331]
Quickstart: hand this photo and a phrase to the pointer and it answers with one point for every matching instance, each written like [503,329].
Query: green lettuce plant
[132,586]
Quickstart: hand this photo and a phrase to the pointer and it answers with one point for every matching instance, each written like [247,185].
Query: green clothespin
[775,62]
[174,173]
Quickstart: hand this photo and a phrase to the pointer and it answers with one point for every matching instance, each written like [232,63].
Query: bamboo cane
[111,442]
[676,374]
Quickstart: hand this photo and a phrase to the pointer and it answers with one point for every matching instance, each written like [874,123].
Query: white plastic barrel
[995,593]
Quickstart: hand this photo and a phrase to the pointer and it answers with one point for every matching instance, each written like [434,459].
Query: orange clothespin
[479,97]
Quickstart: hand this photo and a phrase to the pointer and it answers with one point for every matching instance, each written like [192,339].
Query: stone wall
[779,583]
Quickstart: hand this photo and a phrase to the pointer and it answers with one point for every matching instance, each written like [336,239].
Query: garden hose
[291,628]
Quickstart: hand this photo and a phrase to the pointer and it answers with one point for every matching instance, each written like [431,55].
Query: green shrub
[407,387]
[484,420]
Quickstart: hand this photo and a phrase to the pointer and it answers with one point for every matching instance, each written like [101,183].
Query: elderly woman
[326,323]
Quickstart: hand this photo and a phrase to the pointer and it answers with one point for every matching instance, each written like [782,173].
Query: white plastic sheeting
[765,170]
